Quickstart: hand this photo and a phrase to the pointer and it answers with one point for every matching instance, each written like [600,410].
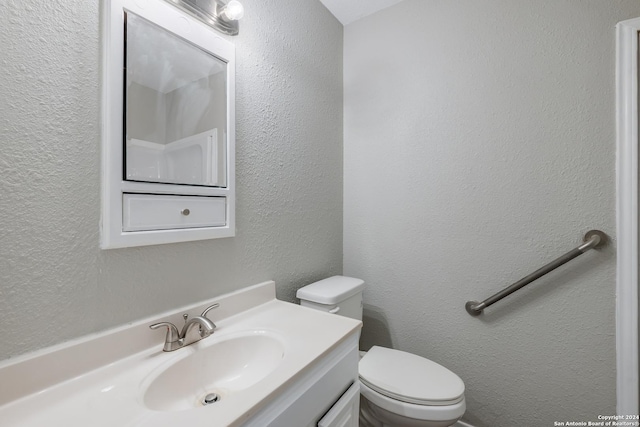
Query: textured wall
[480,144]
[55,283]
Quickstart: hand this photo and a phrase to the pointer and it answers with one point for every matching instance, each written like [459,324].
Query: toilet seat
[409,378]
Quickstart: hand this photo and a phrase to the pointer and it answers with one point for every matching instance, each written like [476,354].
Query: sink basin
[225,367]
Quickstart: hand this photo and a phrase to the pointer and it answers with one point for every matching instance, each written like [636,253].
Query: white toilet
[397,389]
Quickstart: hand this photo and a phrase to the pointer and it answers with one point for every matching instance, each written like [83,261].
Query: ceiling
[348,11]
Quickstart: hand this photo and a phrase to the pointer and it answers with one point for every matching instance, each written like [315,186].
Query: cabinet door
[345,411]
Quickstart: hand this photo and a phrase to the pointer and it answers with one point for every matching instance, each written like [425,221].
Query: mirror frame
[183,25]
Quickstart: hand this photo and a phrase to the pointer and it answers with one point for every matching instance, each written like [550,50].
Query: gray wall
[55,283]
[480,144]
[186,118]
[150,118]
[188,110]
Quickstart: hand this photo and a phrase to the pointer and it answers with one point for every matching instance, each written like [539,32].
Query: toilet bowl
[397,389]
[405,390]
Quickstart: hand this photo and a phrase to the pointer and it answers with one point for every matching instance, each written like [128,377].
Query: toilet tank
[338,294]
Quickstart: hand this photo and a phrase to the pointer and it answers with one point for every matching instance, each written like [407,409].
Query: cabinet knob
[185,212]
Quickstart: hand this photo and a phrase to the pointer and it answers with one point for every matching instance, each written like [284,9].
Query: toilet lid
[409,378]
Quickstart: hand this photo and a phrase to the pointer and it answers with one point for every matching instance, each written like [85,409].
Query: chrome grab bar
[593,239]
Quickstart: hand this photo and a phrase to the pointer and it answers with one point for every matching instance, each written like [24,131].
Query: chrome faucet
[190,334]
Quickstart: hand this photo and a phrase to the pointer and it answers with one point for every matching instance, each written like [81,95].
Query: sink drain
[210,398]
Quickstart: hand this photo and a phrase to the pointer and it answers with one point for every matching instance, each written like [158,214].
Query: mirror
[175,99]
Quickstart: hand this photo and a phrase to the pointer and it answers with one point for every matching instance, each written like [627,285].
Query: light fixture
[215,13]
[234,10]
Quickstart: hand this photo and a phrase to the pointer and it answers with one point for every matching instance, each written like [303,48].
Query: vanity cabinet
[168,135]
[346,411]
[327,395]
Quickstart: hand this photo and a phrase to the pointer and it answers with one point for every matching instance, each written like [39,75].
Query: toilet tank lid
[331,290]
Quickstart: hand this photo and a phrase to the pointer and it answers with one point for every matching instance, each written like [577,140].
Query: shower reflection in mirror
[175,108]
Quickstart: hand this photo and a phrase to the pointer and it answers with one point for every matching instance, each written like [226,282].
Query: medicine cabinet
[168,136]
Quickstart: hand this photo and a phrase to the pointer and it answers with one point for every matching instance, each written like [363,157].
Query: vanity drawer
[142,212]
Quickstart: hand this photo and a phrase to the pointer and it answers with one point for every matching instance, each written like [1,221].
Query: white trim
[627,217]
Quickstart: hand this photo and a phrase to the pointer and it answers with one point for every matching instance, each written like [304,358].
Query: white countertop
[101,380]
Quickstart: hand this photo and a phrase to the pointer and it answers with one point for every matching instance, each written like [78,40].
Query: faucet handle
[208,309]
[172,332]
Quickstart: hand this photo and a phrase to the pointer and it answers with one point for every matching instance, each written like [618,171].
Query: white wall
[55,282]
[479,145]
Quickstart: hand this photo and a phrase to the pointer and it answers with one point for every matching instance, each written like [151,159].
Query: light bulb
[234,10]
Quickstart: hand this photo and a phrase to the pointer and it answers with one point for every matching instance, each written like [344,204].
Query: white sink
[222,368]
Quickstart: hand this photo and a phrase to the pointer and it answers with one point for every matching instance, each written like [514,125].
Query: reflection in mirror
[175,99]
